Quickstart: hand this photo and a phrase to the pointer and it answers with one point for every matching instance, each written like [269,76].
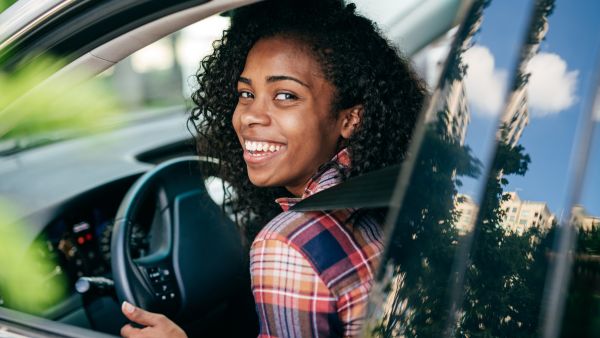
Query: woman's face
[283,118]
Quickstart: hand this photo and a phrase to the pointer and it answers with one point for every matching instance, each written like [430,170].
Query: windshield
[154,82]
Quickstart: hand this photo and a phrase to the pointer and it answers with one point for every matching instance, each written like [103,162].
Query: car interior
[478,251]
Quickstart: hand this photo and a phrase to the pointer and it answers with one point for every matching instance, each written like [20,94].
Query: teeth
[261,146]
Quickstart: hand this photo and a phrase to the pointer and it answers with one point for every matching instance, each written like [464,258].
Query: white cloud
[486,85]
[551,87]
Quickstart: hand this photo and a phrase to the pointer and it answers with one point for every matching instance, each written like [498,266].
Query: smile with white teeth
[258,146]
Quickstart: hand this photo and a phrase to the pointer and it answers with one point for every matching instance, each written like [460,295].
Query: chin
[258,181]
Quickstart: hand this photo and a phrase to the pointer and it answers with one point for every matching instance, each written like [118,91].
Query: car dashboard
[77,242]
[66,196]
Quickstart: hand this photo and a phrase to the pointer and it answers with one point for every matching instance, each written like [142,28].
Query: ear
[350,120]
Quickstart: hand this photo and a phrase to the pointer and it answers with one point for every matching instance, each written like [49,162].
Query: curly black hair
[363,67]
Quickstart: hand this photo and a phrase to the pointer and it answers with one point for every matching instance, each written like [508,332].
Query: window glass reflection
[477,239]
[417,294]
[511,279]
[581,315]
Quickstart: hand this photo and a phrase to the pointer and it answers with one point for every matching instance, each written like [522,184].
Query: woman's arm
[291,299]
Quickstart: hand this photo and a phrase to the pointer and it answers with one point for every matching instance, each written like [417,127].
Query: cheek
[235,121]
[306,134]
[298,128]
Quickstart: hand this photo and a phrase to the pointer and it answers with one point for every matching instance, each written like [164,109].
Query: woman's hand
[156,325]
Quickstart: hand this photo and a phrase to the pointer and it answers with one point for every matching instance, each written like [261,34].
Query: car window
[582,304]
[162,74]
[412,24]
[479,240]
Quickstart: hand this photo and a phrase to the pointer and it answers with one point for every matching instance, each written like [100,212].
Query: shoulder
[343,249]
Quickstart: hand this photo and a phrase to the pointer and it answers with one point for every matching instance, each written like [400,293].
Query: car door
[492,229]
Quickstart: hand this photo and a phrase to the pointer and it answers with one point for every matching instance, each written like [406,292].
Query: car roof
[24,13]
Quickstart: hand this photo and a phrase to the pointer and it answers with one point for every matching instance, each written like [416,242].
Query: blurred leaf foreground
[31,106]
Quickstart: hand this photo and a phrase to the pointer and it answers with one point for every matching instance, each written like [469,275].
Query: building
[515,118]
[516,114]
[451,107]
[520,215]
[467,211]
[455,110]
[582,220]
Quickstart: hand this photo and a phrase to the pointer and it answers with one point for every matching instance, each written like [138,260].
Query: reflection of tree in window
[505,270]
[583,300]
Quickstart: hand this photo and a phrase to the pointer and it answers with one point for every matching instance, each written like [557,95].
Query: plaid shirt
[312,271]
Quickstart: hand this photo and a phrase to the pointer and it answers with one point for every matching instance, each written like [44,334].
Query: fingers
[140,316]
[129,331]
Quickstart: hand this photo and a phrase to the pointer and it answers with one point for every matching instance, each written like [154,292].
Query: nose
[255,113]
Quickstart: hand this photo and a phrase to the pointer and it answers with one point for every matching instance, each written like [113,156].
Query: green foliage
[582,312]
[28,281]
[28,109]
[4,4]
[425,240]
[588,240]
[506,271]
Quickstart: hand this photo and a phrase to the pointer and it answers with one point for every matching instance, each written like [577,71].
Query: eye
[285,97]
[244,94]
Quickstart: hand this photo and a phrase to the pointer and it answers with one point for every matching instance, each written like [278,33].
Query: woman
[297,97]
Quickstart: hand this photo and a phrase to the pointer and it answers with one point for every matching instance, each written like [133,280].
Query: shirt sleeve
[291,299]
[351,308]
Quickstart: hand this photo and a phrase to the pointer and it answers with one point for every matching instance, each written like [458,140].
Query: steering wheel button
[163,297]
[172,295]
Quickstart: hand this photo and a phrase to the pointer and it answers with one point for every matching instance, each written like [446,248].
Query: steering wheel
[195,269]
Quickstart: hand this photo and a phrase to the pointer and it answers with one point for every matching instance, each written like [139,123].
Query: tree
[425,240]
[582,313]
[507,270]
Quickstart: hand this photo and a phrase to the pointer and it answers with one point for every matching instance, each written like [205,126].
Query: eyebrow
[274,78]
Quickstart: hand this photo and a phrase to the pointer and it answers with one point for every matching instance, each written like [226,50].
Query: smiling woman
[333,56]
[284,122]
[295,99]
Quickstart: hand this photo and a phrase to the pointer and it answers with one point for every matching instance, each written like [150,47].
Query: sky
[559,88]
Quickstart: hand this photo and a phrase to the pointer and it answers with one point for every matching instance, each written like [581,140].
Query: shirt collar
[329,174]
